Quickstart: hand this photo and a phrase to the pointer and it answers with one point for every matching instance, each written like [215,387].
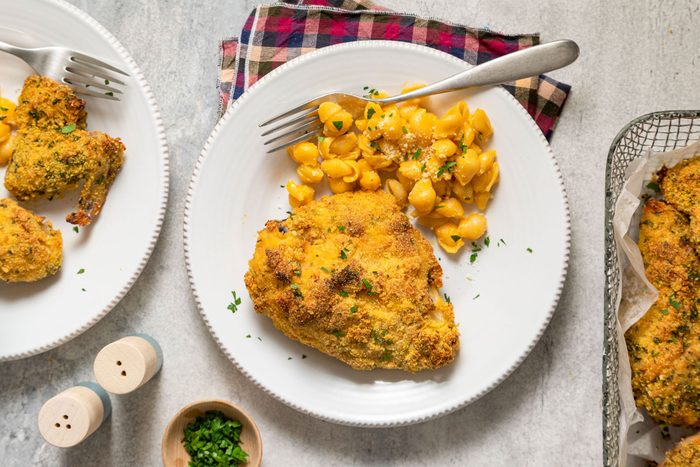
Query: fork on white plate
[86,75]
[302,123]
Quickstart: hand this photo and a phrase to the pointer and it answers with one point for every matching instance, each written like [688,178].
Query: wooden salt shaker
[127,364]
[71,416]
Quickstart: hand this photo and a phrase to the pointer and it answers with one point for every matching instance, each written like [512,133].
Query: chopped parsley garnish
[295,289]
[2,118]
[672,301]
[343,293]
[4,109]
[343,253]
[325,269]
[338,334]
[370,112]
[653,186]
[353,309]
[83,290]
[247,336]
[386,356]
[472,257]
[529,250]
[456,238]
[289,358]
[365,88]
[656,340]
[475,248]
[303,356]
[260,338]
[447,298]
[341,228]
[500,240]
[439,206]
[405,130]
[476,296]
[462,146]
[213,439]
[338,125]
[422,167]
[81,271]
[233,306]
[416,154]
[375,146]
[76,229]
[449,167]
[68,129]
[664,311]
[290,214]
[109,93]
[367,284]
[487,241]
[297,272]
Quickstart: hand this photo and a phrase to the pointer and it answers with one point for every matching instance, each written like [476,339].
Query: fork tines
[85,72]
[301,122]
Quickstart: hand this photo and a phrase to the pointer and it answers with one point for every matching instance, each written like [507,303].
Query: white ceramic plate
[39,316]
[236,188]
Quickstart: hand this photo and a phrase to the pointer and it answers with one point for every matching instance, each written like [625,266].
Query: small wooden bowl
[173,451]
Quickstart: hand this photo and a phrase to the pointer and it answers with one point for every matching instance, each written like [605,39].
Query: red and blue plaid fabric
[274,34]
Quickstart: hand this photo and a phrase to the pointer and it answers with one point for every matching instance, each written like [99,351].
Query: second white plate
[503,301]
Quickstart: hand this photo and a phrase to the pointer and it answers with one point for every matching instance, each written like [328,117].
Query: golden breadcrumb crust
[680,186]
[50,157]
[664,345]
[30,248]
[350,276]
[684,454]
[48,105]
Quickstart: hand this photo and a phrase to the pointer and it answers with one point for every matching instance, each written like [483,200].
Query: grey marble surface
[636,58]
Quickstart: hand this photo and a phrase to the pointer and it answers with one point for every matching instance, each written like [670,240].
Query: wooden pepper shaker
[71,416]
[127,364]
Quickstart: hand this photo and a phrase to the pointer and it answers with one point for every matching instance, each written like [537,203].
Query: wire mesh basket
[658,131]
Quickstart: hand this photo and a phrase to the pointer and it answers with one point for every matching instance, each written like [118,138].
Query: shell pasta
[438,165]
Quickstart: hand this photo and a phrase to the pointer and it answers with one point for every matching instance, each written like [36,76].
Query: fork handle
[532,61]
[18,52]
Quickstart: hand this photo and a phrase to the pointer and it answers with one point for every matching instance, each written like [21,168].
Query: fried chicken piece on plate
[350,276]
[53,153]
[30,248]
[49,105]
[48,164]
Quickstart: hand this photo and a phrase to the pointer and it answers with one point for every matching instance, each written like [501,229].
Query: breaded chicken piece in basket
[350,276]
[680,186]
[684,454]
[664,345]
[30,248]
[53,153]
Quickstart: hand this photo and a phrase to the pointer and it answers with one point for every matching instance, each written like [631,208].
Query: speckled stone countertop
[637,57]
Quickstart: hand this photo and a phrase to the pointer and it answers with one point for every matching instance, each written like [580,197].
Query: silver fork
[532,61]
[77,70]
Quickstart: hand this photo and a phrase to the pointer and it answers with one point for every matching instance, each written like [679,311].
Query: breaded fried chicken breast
[350,276]
[664,345]
[30,248]
[54,154]
[684,454]
[680,186]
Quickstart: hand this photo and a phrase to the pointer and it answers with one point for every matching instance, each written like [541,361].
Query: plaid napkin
[276,33]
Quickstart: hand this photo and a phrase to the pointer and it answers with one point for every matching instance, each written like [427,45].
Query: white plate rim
[195,179]
[163,154]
